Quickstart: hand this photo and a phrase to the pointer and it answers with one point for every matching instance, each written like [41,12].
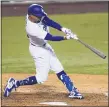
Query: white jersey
[36,32]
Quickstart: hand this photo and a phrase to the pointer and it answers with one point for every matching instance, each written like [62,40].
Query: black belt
[42,45]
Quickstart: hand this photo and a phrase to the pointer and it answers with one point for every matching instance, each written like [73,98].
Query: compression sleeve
[54,38]
[51,23]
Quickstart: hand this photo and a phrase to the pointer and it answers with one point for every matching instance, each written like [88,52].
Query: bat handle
[80,41]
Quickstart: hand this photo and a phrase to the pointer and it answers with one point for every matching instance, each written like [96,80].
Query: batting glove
[71,36]
[67,37]
[66,31]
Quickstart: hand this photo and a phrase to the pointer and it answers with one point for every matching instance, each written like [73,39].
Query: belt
[35,45]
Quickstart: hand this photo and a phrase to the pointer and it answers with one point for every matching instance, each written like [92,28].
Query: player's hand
[71,36]
[66,31]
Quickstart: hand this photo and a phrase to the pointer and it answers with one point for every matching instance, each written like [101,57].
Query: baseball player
[37,29]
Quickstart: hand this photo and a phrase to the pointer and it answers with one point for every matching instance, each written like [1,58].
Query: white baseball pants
[45,60]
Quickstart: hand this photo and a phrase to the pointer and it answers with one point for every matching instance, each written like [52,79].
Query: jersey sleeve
[51,23]
[36,31]
[54,38]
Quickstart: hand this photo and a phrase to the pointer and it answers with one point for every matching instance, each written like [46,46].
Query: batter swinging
[37,29]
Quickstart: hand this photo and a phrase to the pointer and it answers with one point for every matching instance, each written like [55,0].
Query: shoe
[75,94]
[9,87]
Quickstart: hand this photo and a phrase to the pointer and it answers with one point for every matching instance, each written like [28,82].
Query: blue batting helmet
[36,10]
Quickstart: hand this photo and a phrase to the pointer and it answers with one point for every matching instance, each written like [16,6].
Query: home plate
[55,103]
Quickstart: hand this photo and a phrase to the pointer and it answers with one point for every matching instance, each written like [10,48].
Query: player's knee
[61,74]
[41,79]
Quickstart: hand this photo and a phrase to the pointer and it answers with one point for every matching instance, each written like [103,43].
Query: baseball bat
[99,53]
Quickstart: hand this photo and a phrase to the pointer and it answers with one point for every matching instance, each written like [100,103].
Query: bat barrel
[97,52]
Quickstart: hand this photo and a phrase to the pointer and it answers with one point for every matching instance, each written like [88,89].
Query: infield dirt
[93,88]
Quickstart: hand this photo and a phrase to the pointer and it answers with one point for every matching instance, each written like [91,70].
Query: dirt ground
[93,88]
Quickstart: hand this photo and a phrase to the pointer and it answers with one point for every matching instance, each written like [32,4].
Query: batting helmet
[36,10]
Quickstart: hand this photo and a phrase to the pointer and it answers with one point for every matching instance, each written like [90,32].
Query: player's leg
[73,92]
[41,59]
[12,84]
[42,69]
[59,70]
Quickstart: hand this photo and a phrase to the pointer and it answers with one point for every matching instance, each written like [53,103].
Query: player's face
[34,18]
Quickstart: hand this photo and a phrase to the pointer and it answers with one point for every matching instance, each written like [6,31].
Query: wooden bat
[99,53]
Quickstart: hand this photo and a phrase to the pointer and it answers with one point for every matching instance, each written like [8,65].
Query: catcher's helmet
[36,10]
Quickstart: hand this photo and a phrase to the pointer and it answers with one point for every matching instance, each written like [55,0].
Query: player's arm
[54,38]
[41,34]
[46,20]
[59,38]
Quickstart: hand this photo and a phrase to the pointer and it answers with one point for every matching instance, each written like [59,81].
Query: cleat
[9,87]
[75,94]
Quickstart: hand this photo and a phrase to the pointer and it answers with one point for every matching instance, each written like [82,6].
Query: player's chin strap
[66,80]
